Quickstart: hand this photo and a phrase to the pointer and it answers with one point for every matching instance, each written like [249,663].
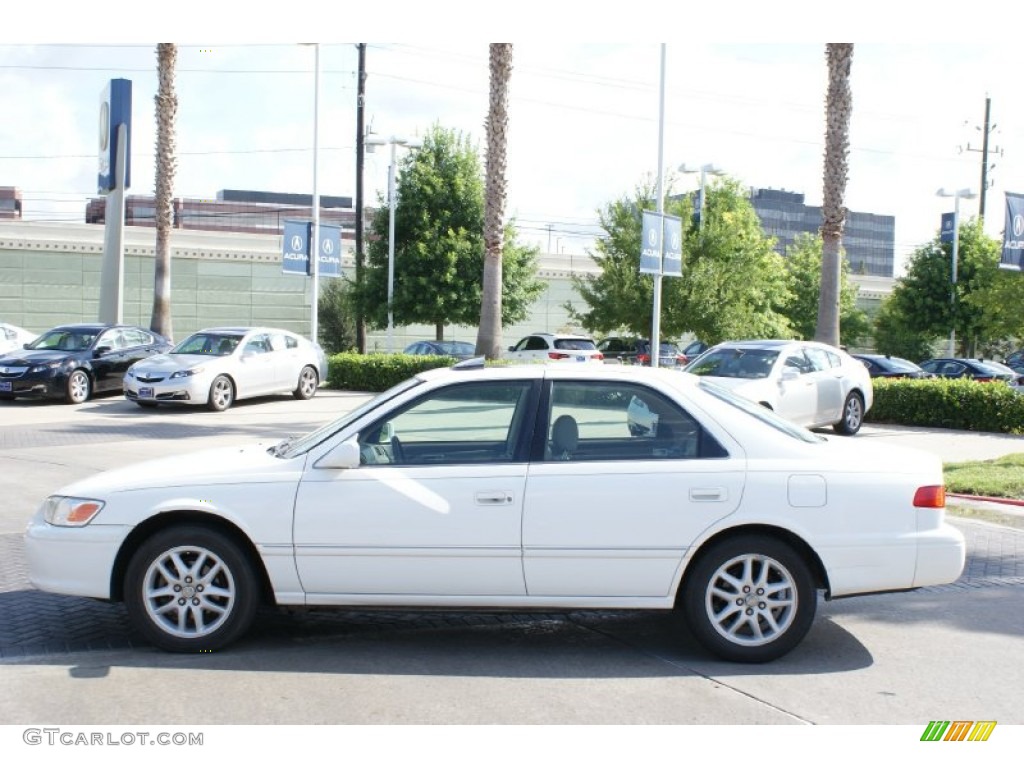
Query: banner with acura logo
[662,236]
[295,246]
[1013,234]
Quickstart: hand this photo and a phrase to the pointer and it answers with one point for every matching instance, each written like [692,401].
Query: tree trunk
[838,110]
[488,340]
[166,164]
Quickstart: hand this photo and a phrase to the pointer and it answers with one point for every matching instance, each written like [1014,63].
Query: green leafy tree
[439,244]
[803,265]
[926,301]
[894,337]
[337,316]
[733,283]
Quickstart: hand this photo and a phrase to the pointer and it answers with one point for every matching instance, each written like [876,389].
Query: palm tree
[838,110]
[166,164]
[488,340]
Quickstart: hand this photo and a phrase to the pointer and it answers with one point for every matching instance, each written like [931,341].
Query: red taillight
[643,359]
[933,496]
[599,356]
[557,355]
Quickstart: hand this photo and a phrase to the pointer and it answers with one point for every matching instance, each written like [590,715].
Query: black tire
[185,620]
[853,415]
[739,623]
[308,382]
[222,394]
[79,387]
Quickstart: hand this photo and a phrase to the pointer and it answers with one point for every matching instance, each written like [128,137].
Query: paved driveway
[890,659]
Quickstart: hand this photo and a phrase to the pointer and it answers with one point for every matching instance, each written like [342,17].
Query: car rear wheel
[222,394]
[749,599]
[79,387]
[308,381]
[190,589]
[853,415]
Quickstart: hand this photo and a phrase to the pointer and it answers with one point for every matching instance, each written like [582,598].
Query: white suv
[555,347]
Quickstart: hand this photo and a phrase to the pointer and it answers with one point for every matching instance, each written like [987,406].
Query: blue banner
[330,251]
[115,110]
[948,225]
[295,248]
[650,245]
[673,264]
[1013,233]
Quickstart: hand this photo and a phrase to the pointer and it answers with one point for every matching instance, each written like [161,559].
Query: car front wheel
[222,394]
[750,599]
[308,381]
[853,415]
[79,387]
[190,589]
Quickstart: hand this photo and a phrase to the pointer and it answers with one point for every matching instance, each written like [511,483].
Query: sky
[585,117]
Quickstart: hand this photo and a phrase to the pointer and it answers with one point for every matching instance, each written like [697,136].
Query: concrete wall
[50,274]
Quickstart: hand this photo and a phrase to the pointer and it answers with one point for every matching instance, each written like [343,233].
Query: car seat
[565,437]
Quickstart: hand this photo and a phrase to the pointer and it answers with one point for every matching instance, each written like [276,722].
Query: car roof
[639,374]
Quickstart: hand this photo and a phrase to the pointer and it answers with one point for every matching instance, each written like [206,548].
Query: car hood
[749,388]
[166,363]
[251,463]
[36,356]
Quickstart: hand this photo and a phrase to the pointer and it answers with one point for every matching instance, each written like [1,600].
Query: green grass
[1003,477]
[987,515]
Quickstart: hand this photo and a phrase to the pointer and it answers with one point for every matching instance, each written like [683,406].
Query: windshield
[294,446]
[65,340]
[456,347]
[761,413]
[214,344]
[735,363]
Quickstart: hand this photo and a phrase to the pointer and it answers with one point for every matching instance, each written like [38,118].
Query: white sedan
[521,487]
[13,338]
[811,384]
[217,366]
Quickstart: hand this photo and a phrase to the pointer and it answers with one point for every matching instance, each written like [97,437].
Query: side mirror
[101,351]
[344,456]
[512,349]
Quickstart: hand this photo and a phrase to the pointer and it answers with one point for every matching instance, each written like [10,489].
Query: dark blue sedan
[71,362]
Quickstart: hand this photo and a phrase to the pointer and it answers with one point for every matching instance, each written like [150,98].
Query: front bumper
[72,561]
[177,391]
[47,384]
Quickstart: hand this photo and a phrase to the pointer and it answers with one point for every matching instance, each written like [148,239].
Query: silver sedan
[216,366]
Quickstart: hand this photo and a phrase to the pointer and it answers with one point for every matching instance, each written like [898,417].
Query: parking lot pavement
[894,659]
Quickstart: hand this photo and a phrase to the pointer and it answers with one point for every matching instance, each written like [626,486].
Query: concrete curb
[989,499]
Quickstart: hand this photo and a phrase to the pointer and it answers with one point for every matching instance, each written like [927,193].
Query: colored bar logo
[958,730]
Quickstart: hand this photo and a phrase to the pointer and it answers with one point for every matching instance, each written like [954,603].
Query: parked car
[693,350]
[217,366]
[968,368]
[557,347]
[630,351]
[461,350]
[13,338]
[888,367]
[1015,360]
[812,384]
[74,361]
[511,487]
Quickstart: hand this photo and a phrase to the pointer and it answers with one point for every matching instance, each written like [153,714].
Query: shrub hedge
[948,403]
[378,372]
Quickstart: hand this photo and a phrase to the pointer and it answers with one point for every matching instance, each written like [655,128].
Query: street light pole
[394,142]
[315,254]
[704,171]
[956,195]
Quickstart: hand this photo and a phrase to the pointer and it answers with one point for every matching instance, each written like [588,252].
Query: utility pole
[360,104]
[985,149]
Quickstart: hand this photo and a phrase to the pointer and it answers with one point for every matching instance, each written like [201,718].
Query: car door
[830,384]
[256,366]
[435,507]
[798,388]
[622,482]
[108,360]
[288,360]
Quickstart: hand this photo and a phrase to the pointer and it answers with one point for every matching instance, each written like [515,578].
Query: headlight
[46,367]
[187,373]
[68,511]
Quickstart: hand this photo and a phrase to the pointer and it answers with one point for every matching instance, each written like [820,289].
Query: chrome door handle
[707,494]
[492,498]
